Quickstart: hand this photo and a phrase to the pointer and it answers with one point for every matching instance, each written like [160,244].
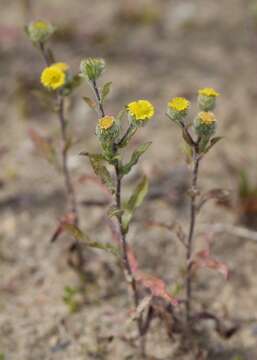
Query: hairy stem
[70,191]
[98,98]
[66,173]
[125,250]
[190,241]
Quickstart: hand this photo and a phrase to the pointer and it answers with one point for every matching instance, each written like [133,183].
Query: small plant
[70,298]
[59,83]
[197,145]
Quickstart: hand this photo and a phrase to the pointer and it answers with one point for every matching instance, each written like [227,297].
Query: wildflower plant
[199,137]
[109,166]
[112,141]
[57,79]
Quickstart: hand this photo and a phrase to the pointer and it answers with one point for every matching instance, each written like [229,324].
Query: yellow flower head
[208,92]
[62,66]
[53,77]
[40,25]
[179,104]
[106,122]
[207,117]
[141,109]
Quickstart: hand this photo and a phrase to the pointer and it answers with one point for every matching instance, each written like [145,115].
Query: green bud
[92,68]
[207,99]
[206,103]
[178,109]
[39,31]
[205,124]
[107,130]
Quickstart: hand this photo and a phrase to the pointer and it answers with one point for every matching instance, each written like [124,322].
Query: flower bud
[39,31]
[205,124]
[92,68]
[178,109]
[207,99]
[107,130]
[140,112]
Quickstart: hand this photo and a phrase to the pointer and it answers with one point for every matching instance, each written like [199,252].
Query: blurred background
[154,49]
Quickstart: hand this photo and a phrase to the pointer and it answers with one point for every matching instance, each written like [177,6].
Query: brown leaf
[156,286]
[202,259]
[95,180]
[69,218]
[44,147]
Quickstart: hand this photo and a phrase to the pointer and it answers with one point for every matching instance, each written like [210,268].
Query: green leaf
[114,211]
[127,136]
[72,83]
[105,91]
[244,186]
[187,150]
[91,103]
[187,137]
[96,161]
[213,141]
[135,157]
[83,237]
[134,202]
[121,114]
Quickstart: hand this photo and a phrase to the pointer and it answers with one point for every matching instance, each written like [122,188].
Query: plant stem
[98,98]
[45,54]
[66,173]
[70,191]
[126,262]
[125,256]
[190,241]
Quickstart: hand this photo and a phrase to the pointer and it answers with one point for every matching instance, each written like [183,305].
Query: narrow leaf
[188,152]
[213,141]
[156,286]
[134,202]
[105,91]
[220,195]
[83,237]
[91,103]
[96,161]
[135,157]
[202,259]
[44,147]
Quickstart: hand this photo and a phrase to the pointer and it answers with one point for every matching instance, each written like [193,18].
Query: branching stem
[125,250]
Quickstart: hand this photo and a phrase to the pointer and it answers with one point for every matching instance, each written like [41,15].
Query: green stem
[125,256]
[190,241]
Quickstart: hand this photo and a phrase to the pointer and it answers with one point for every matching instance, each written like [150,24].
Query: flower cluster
[204,125]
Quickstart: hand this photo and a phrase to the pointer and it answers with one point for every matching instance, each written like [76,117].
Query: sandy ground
[155,50]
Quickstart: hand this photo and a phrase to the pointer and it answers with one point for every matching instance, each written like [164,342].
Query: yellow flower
[40,25]
[62,66]
[106,122]
[53,77]
[141,109]
[207,117]
[179,104]
[208,92]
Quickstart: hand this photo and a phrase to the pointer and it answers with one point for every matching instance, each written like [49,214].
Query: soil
[154,49]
